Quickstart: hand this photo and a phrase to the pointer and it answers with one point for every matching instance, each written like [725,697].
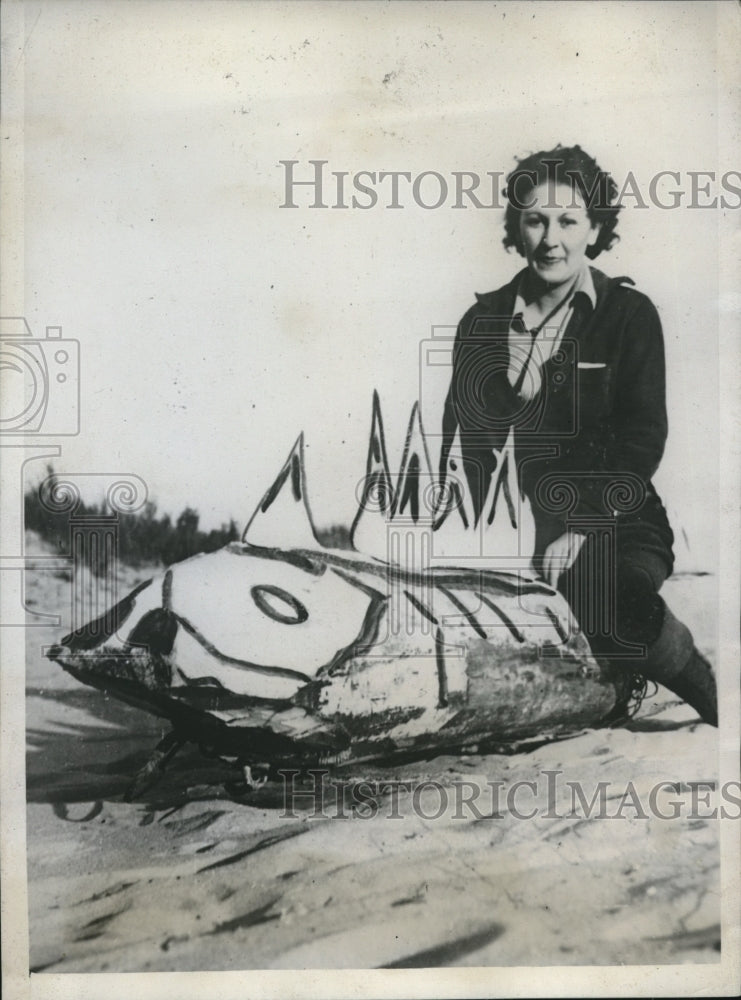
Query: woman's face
[555,231]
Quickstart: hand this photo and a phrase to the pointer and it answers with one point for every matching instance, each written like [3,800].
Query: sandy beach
[440,870]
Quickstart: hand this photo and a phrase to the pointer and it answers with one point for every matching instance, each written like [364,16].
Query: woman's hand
[561,554]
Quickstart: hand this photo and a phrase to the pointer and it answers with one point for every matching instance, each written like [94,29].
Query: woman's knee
[619,603]
[639,610]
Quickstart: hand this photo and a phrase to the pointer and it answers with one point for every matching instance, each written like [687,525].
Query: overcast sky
[215,325]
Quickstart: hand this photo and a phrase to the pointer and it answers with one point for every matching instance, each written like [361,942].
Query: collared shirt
[528,353]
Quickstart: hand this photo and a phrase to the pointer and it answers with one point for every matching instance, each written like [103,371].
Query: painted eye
[279,605]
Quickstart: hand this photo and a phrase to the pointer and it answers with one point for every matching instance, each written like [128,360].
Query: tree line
[144,537]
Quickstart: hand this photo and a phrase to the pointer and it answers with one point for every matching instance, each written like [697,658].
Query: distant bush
[143,537]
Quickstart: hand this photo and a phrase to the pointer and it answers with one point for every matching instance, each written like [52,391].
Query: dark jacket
[590,441]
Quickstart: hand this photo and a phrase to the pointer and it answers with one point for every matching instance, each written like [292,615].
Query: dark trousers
[613,589]
[614,593]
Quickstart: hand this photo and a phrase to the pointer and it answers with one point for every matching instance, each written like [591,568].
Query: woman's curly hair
[571,166]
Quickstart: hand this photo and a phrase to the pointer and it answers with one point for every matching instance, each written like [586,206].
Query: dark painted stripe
[292,469]
[508,494]
[96,632]
[409,489]
[261,594]
[246,664]
[512,586]
[364,641]
[296,484]
[472,620]
[355,582]
[377,445]
[376,465]
[495,498]
[505,618]
[155,631]
[303,559]
[557,624]
[453,503]
[316,562]
[460,505]
[442,676]
[422,608]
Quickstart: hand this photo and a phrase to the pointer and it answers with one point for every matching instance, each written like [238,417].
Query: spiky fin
[414,494]
[503,492]
[368,532]
[505,502]
[282,519]
[505,530]
[454,496]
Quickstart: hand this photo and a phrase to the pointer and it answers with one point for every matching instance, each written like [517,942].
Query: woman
[574,362]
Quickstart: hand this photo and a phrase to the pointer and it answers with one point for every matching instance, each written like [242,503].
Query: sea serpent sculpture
[277,651]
